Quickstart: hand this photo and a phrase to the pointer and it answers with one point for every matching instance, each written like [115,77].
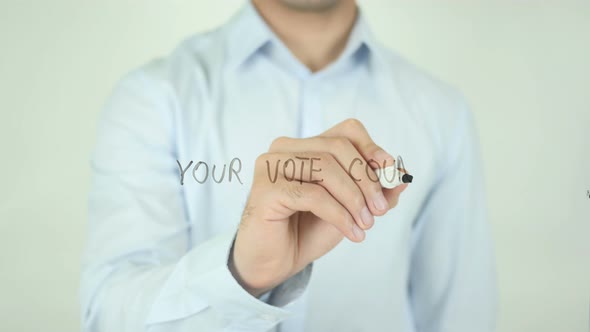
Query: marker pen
[392,176]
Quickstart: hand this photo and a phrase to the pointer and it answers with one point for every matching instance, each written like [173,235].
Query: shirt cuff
[202,280]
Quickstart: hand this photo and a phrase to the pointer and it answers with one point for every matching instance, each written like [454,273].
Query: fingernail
[381,156]
[380,201]
[357,232]
[367,217]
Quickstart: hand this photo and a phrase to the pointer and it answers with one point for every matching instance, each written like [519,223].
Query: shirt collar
[248,33]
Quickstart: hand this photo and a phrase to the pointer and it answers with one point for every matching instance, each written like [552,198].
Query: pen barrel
[391,177]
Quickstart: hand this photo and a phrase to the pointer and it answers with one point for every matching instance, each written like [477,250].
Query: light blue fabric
[157,251]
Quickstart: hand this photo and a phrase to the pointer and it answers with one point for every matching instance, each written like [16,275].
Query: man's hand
[288,224]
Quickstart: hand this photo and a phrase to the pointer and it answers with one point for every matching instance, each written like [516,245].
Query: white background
[524,66]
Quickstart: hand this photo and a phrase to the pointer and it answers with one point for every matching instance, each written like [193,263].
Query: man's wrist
[256,292]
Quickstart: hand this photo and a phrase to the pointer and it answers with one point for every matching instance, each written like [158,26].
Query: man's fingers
[392,195]
[314,198]
[373,153]
[298,167]
[356,132]
[349,158]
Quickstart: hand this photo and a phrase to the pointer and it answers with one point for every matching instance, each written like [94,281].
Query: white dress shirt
[157,251]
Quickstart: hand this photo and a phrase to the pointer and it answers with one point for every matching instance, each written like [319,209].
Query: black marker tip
[407,178]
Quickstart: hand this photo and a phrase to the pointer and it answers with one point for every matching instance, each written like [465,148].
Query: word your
[201,171]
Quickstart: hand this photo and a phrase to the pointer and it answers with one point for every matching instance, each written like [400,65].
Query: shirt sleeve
[452,277]
[140,270]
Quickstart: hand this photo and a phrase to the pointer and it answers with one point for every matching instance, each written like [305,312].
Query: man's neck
[316,38]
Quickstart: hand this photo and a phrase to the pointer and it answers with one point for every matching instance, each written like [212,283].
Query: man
[286,80]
